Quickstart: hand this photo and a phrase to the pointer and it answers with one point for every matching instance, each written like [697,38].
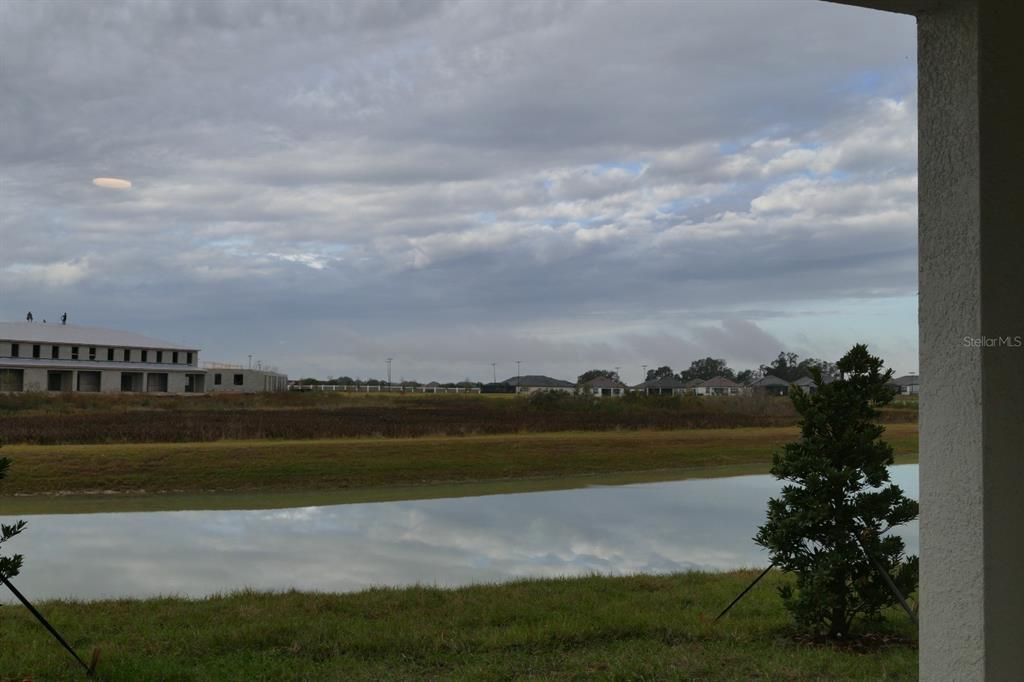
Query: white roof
[73,334]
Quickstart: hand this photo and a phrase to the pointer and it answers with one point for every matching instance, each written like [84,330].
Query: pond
[699,524]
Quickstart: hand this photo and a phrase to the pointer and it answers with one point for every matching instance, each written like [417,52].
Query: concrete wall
[66,352]
[110,379]
[253,381]
[36,379]
[971,245]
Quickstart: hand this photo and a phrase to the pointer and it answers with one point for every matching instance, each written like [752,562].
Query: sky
[574,184]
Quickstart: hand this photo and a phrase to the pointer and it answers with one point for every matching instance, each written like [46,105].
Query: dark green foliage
[790,367]
[9,566]
[745,377]
[661,372]
[592,374]
[835,502]
[707,368]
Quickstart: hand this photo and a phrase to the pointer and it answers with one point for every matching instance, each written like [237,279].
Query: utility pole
[389,372]
[643,377]
[494,372]
[250,360]
[616,372]
[517,375]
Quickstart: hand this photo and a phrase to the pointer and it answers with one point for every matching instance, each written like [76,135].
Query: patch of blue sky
[334,249]
[229,244]
[887,324]
[681,204]
[633,168]
[867,82]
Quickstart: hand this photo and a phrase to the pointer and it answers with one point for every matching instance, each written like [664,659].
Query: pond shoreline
[275,474]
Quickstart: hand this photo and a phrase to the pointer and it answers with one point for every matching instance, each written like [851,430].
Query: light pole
[517,375]
[389,373]
[616,372]
[643,377]
[494,372]
[250,360]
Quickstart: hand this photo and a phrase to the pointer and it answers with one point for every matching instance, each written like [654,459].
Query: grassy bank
[78,419]
[642,627]
[347,464]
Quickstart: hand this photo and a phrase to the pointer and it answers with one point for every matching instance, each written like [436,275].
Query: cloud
[51,275]
[414,168]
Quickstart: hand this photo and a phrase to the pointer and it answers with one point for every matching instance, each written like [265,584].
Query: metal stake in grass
[741,594]
[888,580]
[90,670]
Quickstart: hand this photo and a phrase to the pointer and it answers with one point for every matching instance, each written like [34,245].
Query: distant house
[691,386]
[807,385]
[771,385]
[907,385]
[719,386]
[603,387]
[668,385]
[532,383]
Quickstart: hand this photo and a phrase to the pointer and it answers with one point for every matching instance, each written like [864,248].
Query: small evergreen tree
[834,507]
[9,566]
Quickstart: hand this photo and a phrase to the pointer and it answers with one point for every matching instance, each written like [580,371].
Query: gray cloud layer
[326,184]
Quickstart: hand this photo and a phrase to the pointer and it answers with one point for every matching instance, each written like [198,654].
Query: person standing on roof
[64,318]
[28,318]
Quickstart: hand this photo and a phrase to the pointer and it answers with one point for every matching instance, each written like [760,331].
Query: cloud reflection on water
[703,524]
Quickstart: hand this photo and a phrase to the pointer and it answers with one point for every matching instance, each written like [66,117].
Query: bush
[834,513]
[9,566]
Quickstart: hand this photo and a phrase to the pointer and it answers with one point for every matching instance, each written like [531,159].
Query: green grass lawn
[362,464]
[633,628]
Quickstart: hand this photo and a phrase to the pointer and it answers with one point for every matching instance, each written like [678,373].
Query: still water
[700,524]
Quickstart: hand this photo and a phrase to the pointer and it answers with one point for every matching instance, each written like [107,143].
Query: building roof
[770,380]
[693,383]
[907,380]
[538,381]
[73,334]
[604,382]
[720,382]
[808,381]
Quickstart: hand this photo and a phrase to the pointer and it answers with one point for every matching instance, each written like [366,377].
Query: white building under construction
[72,358]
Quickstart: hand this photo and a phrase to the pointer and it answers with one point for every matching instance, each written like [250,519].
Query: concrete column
[971,326]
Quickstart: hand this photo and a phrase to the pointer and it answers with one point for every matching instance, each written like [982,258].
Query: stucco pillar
[971,328]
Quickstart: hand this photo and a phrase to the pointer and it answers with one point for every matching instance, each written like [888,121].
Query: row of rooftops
[670,382]
[60,334]
[674,383]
